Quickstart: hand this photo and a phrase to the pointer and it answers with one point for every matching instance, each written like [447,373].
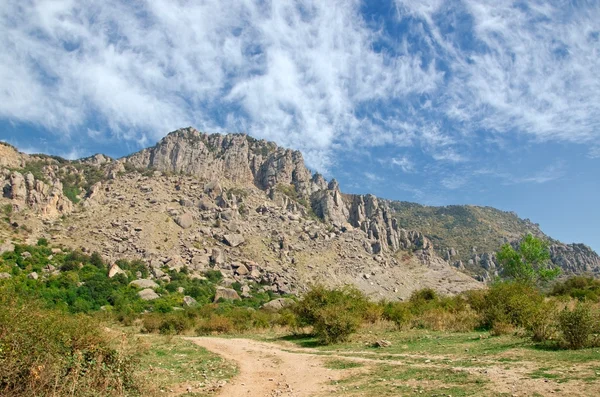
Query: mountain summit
[254,211]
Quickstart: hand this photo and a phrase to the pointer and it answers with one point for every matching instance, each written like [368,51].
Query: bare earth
[270,370]
[266,370]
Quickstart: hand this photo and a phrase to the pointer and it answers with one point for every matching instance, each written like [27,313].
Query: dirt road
[267,371]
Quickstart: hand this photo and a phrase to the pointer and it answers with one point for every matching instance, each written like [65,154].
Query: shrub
[399,313]
[347,298]
[333,325]
[151,323]
[541,322]
[373,313]
[45,352]
[509,302]
[577,326]
[333,313]
[578,287]
[215,324]
[175,323]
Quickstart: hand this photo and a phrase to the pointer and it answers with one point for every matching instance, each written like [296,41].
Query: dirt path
[267,370]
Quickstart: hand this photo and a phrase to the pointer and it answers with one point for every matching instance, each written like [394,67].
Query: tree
[530,263]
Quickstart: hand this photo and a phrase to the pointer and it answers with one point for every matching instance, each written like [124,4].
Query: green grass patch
[172,363]
[342,364]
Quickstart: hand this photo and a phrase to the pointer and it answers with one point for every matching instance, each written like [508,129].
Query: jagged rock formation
[236,157]
[27,192]
[248,208]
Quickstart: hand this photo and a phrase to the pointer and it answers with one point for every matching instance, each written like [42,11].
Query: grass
[443,363]
[341,364]
[172,365]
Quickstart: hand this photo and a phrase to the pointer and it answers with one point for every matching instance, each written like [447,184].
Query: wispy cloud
[373,177]
[405,164]
[317,76]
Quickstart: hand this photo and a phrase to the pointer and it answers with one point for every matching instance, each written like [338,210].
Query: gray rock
[148,294]
[242,270]
[144,283]
[33,276]
[213,189]
[217,256]
[175,263]
[277,304]
[206,205]
[233,240]
[185,221]
[6,247]
[226,293]
[188,301]
[5,276]
[114,269]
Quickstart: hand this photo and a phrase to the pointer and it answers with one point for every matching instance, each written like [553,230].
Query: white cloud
[291,71]
[372,177]
[308,74]
[529,68]
[405,164]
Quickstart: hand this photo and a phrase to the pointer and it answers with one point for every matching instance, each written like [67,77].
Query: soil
[266,370]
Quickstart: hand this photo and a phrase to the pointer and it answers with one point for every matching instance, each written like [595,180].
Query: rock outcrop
[25,191]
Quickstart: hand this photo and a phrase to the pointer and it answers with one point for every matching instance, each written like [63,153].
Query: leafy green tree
[530,263]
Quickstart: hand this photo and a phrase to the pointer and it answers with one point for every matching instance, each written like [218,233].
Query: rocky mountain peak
[217,172]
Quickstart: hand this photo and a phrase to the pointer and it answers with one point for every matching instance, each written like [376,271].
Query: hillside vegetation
[466,228]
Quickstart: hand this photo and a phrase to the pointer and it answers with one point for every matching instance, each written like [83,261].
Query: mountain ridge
[385,227]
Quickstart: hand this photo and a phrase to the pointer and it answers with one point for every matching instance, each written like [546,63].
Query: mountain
[254,211]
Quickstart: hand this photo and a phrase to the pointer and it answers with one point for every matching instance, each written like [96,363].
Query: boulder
[33,276]
[6,247]
[175,263]
[217,256]
[242,270]
[226,293]
[188,301]
[114,269]
[233,240]
[206,205]
[185,221]
[277,304]
[213,189]
[382,343]
[148,294]
[5,276]
[144,283]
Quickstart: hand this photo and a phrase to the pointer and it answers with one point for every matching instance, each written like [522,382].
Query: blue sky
[439,102]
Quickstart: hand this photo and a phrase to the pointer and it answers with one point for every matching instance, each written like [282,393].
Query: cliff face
[236,157]
[465,237]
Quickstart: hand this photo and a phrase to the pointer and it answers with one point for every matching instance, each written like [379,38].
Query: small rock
[188,301]
[148,294]
[185,221]
[383,343]
[144,283]
[233,240]
[114,269]
[226,293]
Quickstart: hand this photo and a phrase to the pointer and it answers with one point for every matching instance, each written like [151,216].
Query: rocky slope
[256,213]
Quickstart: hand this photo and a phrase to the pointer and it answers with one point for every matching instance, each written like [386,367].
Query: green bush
[175,323]
[333,313]
[333,325]
[509,303]
[45,352]
[577,326]
[541,321]
[399,313]
[578,287]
